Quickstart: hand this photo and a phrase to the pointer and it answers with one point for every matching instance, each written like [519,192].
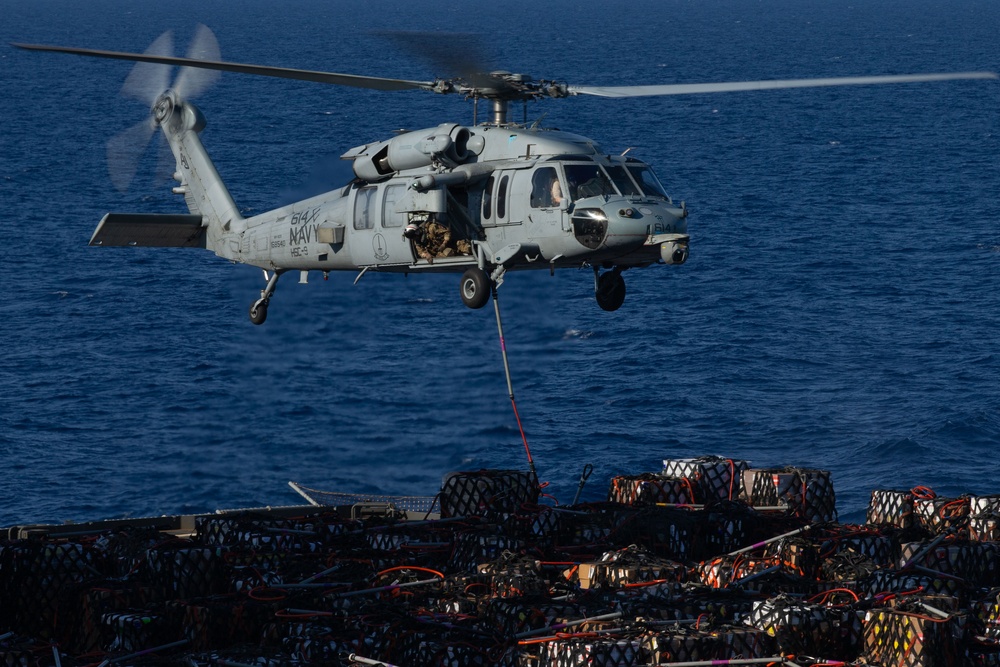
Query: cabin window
[393,195]
[546,191]
[363,208]
[488,199]
[587,180]
[502,198]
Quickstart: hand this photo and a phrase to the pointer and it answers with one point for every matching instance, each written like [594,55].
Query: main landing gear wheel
[475,288]
[610,292]
[258,312]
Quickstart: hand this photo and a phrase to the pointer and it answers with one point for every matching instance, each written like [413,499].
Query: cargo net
[592,651]
[132,632]
[891,508]
[846,567]
[179,569]
[475,547]
[892,584]
[416,504]
[397,639]
[258,657]
[488,493]
[796,555]
[626,567]
[714,477]
[745,642]
[665,531]
[725,527]
[728,570]
[538,524]
[683,645]
[593,527]
[985,614]
[903,639]
[36,594]
[11,656]
[519,585]
[696,600]
[937,515]
[984,518]
[804,493]
[651,489]
[271,534]
[510,575]
[876,544]
[801,626]
[921,507]
[985,528]
[975,563]
[528,614]
[217,621]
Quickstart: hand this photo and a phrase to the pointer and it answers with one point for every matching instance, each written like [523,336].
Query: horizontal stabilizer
[150,230]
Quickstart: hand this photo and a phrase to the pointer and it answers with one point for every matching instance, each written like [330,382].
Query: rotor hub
[163,106]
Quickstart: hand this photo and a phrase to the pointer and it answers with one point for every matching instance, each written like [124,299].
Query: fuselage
[471,191]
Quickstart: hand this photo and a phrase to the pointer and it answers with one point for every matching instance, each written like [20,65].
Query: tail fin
[204,192]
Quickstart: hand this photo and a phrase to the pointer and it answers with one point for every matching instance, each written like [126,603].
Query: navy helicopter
[479,200]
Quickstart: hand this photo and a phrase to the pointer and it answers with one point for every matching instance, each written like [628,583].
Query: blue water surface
[840,308]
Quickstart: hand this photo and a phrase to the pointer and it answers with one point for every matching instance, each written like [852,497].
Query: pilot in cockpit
[555,192]
[546,192]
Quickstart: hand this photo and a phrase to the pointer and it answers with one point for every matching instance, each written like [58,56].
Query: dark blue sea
[840,309]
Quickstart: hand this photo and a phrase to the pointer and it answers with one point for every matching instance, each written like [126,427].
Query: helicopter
[480,199]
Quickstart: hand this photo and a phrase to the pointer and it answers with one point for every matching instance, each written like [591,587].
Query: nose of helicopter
[652,228]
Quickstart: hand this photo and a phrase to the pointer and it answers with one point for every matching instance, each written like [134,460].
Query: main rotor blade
[354,80]
[733,86]
[452,53]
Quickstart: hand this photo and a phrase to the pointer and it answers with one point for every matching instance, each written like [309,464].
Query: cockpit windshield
[622,181]
[647,180]
[588,180]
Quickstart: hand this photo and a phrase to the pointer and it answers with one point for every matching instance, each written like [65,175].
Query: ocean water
[840,308]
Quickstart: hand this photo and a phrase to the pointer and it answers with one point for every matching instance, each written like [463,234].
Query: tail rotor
[146,83]
[193,81]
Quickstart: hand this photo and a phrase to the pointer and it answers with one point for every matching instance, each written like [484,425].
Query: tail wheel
[475,288]
[610,291]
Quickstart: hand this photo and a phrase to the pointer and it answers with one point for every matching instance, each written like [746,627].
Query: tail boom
[204,192]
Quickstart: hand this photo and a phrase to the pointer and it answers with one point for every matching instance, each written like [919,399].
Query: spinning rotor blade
[453,53]
[146,81]
[124,151]
[733,86]
[354,80]
[192,81]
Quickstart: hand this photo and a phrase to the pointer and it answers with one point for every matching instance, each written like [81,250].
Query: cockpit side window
[587,180]
[546,192]
[647,181]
